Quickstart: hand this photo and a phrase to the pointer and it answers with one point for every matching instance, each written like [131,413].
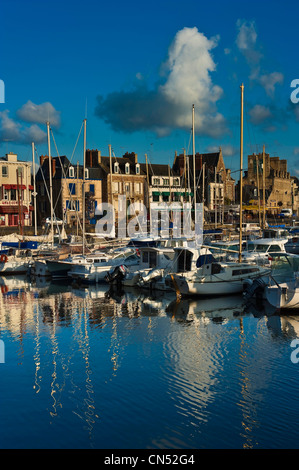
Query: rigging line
[62,169]
[130,198]
[64,176]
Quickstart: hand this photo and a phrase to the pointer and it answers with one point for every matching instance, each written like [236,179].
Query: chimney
[53,167]
[42,159]
[99,157]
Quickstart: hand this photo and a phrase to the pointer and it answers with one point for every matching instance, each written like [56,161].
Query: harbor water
[90,368]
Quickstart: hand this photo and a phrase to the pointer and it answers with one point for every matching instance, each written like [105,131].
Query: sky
[134,70]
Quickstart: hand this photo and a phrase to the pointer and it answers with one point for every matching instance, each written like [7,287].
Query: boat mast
[83,189]
[264,190]
[194,180]
[241,171]
[203,192]
[51,188]
[258,187]
[34,190]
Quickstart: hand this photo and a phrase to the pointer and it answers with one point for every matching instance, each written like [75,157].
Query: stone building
[67,189]
[212,178]
[121,176]
[278,182]
[16,191]
[164,186]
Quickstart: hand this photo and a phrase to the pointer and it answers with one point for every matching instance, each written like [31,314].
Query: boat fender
[3,258]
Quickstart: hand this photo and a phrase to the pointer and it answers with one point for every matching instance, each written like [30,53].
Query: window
[71,172]
[5,194]
[137,169]
[156,197]
[165,181]
[72,205]
[238,272]
[72,188]
[4,171]
[176,182]
[138,188]
[13,194]
[156,181]
[145,257]
[91,188]
[86,175]
[274,248]
[116,167]
[127,168]
[127,187]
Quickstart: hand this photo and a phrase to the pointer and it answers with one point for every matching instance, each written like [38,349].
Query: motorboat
[260,249]
[94,267]
[156,262]
[15,262]
[282,290]
[211,277]
[292,245]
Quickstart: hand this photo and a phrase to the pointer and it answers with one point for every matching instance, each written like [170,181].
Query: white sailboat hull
[14,266]
[284,295]
[222,283]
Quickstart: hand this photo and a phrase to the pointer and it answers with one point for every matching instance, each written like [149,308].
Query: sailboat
[219,278]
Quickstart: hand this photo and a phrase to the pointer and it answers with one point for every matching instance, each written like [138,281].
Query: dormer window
[71,172]
[127,168]
[116,167]
[137,169]
[86,175]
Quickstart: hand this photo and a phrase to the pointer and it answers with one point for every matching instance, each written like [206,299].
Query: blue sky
[134,69]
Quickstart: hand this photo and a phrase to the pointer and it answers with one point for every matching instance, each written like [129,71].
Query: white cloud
[39,113]
[268,81]
[9,129]
[228,150]
[187,80]
[247,44]
[13,131]
[259,114]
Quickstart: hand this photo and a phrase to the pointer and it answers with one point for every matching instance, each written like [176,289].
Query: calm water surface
[88,368]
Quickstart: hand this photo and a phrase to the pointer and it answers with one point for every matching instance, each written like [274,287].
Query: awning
[14,186]
[156,193]
[12,209]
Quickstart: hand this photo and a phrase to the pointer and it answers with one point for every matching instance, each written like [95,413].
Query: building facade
[275,180]
[16,192]
[163,186]
[121,176]
[68,186]
[214,184]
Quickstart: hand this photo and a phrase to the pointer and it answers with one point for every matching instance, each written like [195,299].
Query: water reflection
[196,360]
